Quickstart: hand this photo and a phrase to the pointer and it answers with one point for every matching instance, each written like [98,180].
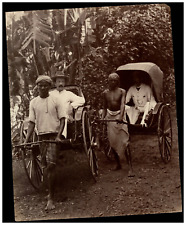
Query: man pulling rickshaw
[49,112]
[118,136]
[48,115]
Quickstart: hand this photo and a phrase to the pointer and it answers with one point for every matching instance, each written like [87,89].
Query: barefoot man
[118,136]
[48,115]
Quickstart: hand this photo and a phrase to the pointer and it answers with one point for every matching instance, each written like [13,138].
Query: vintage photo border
[177,27]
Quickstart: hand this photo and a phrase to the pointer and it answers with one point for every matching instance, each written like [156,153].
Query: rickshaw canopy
[154,72]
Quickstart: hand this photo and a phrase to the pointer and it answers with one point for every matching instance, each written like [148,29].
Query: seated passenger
[71,100]
[143,100]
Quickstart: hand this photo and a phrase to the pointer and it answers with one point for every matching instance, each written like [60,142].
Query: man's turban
[44,78]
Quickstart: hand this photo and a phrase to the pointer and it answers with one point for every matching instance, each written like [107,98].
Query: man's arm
[62,125]
[31,124]
[77,101]
[122,106]
[128,96]
[61,112]
[150,96]
[31,127]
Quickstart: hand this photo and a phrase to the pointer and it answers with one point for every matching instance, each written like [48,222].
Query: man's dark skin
[114,100]
[43,88]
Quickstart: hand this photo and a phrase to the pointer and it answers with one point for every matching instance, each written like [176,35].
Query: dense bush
[139,33]
[116,35]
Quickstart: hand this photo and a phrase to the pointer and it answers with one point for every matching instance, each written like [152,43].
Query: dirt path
[154,189]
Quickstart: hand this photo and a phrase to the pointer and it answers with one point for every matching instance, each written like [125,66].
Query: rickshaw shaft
[68,141]
[99,120]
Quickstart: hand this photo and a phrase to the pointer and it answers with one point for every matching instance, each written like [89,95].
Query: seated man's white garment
[143,102]
[70,101]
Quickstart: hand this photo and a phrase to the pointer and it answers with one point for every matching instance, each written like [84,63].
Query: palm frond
[44,37]
[39,31]
[27,42]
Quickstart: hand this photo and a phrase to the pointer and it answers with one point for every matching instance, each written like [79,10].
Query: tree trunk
[72,71]
[35,64]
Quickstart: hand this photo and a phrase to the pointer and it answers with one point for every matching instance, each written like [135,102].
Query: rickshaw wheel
[88,140]
[31,161]
[165,134]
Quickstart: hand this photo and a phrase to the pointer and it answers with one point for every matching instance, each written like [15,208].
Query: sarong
[118,135]
[49,151]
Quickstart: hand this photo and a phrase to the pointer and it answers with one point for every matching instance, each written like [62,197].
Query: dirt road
[154,189]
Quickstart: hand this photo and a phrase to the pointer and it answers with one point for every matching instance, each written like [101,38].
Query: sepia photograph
[93,112]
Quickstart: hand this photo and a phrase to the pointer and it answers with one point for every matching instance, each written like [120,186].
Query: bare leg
[118,165]
[51,178]
[129,161]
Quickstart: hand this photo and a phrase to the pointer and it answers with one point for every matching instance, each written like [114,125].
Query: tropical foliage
[132,34]
[88,44]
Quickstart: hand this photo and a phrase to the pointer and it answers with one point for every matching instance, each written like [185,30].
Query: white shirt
[69,97]
[46,114]
[140,96]
[68,100]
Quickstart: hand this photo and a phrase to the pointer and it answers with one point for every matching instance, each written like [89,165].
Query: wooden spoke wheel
[32,161]
[32,166]
[165,134]
[88,141]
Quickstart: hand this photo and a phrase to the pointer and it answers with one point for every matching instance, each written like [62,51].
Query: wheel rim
[32,166]
[88,142]
[87,132]
[31,161]
[165,134]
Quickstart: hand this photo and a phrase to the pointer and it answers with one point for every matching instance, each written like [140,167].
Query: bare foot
[131,173]
[50,205]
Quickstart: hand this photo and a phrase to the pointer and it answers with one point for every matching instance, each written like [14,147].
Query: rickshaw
[158,120]
[79,136]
